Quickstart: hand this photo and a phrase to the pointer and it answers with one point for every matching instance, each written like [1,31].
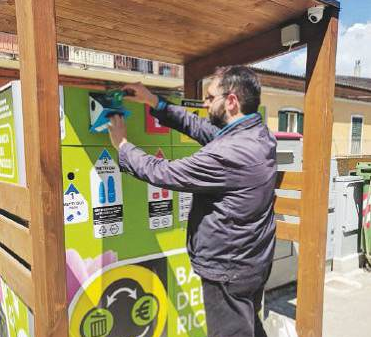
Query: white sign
[91,57]
[106,197]
[160,207]
[75,206]
[185,203]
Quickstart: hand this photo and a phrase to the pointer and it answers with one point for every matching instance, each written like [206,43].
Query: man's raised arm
[173,116]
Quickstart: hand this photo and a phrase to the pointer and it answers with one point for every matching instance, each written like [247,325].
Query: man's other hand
[117,131]
[140,94]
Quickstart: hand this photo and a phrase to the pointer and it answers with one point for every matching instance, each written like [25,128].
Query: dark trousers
[232,307]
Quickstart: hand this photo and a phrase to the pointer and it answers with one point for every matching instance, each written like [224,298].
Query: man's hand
[117,131]
[140,94]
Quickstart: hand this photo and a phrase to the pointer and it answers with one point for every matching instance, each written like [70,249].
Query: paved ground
[347,307]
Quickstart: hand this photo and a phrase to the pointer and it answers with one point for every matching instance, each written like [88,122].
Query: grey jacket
[231,230]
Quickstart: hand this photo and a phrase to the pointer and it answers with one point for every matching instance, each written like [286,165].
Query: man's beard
[219,119]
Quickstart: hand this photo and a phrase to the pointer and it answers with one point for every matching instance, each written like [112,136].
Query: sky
[354,43]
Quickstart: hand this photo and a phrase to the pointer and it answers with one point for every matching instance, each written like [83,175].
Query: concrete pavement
[347,307]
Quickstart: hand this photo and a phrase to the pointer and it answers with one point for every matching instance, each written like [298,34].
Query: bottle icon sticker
[102,193]
[111,190]
[106,195]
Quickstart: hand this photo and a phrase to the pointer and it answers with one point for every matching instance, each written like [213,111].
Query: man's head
[233,92]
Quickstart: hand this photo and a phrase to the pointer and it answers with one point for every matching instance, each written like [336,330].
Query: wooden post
[318,105]
[192,84]
[40,101]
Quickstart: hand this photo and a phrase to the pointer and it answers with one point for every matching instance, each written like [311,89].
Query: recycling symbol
[124,310]
[133,305]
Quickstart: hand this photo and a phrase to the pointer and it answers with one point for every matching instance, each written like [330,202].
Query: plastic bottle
[111,189]
[102,193]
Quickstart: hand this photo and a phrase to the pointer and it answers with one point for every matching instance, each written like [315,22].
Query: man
[231,230]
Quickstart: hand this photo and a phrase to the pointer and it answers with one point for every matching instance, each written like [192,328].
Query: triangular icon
[71,189]
[104,155]
[160,154]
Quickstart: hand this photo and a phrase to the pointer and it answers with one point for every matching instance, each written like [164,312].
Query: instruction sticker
[160,204]
[75,206]
[106,196]
[185,203]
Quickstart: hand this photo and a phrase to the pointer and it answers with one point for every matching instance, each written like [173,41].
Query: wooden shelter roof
[167,30]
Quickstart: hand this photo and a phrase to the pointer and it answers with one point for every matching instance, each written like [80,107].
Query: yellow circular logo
[125,301]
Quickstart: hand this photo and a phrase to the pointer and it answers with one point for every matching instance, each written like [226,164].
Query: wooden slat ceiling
[174,31]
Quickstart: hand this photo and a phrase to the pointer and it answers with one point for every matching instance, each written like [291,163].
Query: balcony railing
[86,58]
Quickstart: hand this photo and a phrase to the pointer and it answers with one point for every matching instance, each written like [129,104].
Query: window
[356,135]
[290,120]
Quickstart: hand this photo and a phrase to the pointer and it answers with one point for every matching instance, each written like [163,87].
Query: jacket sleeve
[202,172]
[177,117]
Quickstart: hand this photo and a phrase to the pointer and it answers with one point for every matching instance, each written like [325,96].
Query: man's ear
[232,103]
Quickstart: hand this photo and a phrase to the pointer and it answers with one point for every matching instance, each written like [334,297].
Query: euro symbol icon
[143,312]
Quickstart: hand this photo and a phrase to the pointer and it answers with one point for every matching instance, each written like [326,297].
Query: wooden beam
[40,100]
[318,105]
[287,206]
[17,277]
[190,84]
[287,231]
[334,3]
[289,181]
[257,48]
[15,199]
[16,237]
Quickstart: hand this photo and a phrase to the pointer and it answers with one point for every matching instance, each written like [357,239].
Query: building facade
[283,102]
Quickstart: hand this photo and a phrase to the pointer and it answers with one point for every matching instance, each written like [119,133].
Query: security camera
[315,14]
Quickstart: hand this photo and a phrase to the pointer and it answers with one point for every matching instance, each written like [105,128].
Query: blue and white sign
[75,206]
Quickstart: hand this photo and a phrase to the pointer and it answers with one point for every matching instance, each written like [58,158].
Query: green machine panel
[137,220]
[76,122]
[128,273]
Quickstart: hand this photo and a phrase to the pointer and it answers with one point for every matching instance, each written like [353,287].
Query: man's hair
[243,82]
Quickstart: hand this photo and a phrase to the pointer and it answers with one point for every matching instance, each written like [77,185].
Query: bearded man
[231,229]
